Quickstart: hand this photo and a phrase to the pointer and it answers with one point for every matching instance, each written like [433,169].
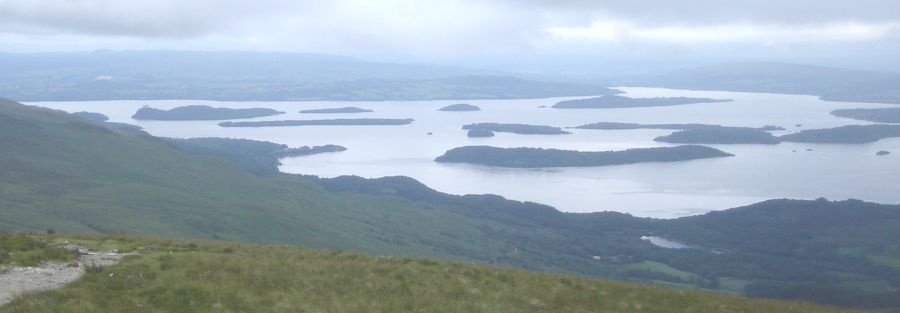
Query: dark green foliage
[825,294]
[349,122]
[523,129]
[880,115]
[460,107]
[845,134]
[337,110]
[201,112]
[61,172]
[92,116]
[539,157]
[480,132]
[259,157]
[720,135]
[612,102]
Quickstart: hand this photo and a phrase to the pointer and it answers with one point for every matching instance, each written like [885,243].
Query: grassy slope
[58,171]
[61,172]
[191,276]
[76,177]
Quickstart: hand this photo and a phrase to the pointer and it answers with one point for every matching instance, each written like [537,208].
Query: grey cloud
[692,12]
[157,18]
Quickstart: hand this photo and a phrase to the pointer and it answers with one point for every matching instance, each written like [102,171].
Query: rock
[882,152]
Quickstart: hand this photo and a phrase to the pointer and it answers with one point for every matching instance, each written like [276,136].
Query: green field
[662,268]
[61,172]
[203,276]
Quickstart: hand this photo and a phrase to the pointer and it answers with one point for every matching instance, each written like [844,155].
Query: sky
[859,33]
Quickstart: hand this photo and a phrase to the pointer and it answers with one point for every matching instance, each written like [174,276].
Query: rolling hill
[62,172]
[833,84]
[245,76]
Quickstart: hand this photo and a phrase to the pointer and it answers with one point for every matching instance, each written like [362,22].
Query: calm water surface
[756,173]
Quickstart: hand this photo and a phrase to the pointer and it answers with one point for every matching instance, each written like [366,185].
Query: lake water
[756,173]
[664,243]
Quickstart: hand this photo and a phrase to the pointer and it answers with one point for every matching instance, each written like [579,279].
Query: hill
[198,276]
[879,115]
[63,172]
[834,84]
[249,76]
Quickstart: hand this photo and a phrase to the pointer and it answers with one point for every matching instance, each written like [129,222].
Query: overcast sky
[859,31]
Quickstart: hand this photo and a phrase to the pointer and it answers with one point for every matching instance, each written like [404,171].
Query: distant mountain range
[833,84]
[264,76]
[60,171]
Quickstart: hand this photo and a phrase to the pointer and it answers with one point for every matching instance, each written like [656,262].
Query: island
[879,115]
[460,107]
[330,122]
[201,113]
[615,102]
[699,133]
[338,110]
[721,135]
[522,129]
[539,157]
[92,116]
[480,133]
[103,121]
[882,152]
[772,128]
[845,134]
[618,126]
[260,157]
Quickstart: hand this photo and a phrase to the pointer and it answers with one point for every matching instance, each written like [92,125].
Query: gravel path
[18,280]
[15,281]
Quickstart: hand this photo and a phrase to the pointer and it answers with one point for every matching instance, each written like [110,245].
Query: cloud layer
[448,27]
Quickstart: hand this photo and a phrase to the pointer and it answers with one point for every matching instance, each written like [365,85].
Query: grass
[661,268]
[26,250]
[204,276]
[58,171]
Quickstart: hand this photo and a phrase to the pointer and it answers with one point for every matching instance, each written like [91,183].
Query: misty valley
[463,156]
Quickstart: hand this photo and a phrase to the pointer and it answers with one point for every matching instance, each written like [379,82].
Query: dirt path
[19,280]
[15,281]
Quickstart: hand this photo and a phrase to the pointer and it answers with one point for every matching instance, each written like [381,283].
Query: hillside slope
[191,276]
[59,171]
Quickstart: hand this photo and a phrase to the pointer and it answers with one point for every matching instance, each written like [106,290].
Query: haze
[584,38]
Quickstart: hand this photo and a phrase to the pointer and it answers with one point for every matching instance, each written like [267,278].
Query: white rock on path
[15,281]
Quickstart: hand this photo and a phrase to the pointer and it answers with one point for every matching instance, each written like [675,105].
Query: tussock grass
[203,276]
[28,250]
